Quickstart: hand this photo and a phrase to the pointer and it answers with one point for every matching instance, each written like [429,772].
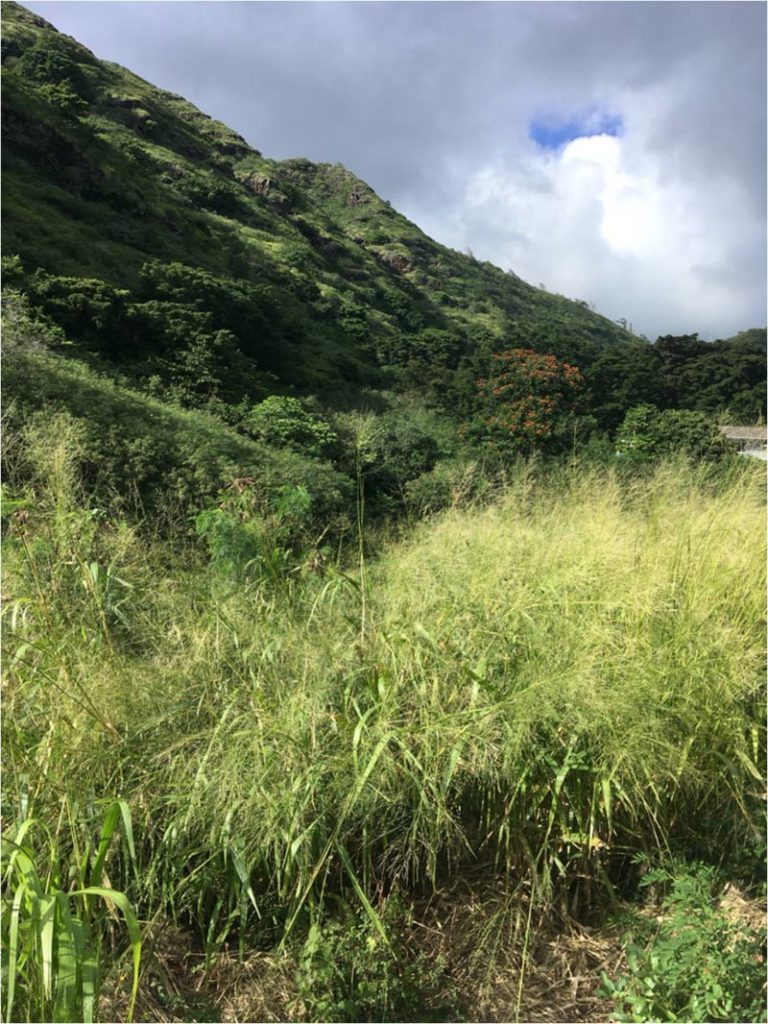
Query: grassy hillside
[146,240]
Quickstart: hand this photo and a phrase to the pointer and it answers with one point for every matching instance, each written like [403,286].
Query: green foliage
[697,964]
[24,328]
[211,368]
[400,449]
[232,545]
[53,61]
[352,969]
[87,309]
[649,434]
[55,919]
[247,543]
[284,721]
[284,422]
[135,449]
[622,377]
[431,492]
[683,372]
[449,484]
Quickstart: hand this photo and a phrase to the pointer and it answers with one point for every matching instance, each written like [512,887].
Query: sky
[613,152]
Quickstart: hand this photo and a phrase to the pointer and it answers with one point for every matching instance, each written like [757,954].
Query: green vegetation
[369,614]
[547,685]
[647,435]
[696,963]
[52,955]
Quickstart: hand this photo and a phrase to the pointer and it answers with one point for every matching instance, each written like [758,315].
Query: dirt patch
[516,964]
[483,938]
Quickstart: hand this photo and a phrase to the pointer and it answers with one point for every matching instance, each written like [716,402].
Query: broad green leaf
[134,932]
[47,910]
[13,948]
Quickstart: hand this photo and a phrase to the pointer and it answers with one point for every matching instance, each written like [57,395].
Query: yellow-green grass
[547,687]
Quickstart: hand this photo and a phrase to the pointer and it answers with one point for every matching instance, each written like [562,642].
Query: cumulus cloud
[655,212]
[599,222]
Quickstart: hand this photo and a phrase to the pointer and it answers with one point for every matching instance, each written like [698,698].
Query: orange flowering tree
[524,400]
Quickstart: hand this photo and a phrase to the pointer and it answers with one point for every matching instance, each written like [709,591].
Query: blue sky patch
[555,132]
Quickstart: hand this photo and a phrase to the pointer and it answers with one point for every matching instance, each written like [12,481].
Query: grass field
[536,700]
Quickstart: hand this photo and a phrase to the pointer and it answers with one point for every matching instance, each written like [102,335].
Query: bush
[24,327]
[648,434]
[246,541]
[349,971]
[448,484]
[700,965]
[403,450]
[54,63]
[283,422]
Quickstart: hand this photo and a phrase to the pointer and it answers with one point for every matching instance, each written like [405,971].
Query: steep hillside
[150,255]
[121,188]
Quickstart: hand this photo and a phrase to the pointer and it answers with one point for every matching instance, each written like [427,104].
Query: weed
[694,963]
[52,932]
[350,971]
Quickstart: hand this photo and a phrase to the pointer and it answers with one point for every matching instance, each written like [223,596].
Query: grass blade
[132,924]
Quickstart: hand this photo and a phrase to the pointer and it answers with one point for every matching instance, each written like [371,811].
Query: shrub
[283,422]
[54,63]
[248,539]
[402,450]
[699,965]
[23,328]
[349,970]
[448,484]
[648,434]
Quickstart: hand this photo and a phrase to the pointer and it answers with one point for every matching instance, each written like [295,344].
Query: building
[748,440]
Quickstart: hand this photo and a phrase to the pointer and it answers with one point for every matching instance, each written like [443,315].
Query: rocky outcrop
[264,187]
[395,261]
[358,196]
[259,184]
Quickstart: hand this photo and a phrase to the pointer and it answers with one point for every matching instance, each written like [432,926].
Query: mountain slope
[188,271]
[104,174]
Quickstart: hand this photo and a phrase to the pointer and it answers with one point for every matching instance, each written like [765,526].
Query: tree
[524,401]
[648,434]
[283,422]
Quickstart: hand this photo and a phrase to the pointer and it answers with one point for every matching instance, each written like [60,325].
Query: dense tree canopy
[524,399]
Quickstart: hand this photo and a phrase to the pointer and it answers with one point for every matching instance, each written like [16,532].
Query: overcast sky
[615,152]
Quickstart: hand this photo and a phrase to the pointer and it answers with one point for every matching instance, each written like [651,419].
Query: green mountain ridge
[104,172]
[153,244]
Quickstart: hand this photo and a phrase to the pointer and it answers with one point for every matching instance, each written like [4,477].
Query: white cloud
[598,220]
[431,104]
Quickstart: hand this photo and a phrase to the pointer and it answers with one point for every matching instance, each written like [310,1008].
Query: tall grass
[543,689]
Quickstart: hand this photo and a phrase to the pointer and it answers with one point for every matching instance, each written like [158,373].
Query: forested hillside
[154,246]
